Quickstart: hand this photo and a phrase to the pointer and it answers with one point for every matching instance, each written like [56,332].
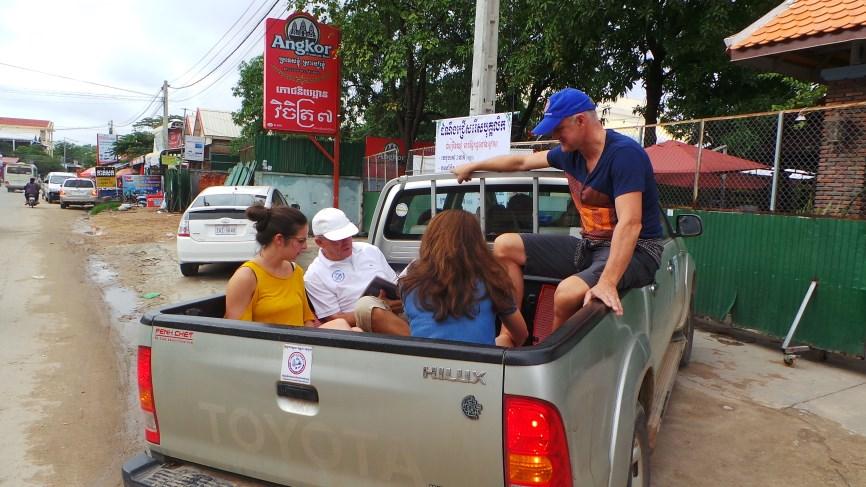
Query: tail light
[183,228]
[536,448]
[93,192]
[62,193]
[145,396]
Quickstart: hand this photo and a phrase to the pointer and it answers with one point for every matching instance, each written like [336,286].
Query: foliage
[250,89]
[110,205]
[406,64]
[37,155]
[133,145]
[82,154]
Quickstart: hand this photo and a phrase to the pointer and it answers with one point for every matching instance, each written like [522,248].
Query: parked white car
[78,191]
[215,229]
[51,186]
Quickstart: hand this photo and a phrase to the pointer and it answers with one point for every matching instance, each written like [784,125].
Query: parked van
[52,183]
[18,175]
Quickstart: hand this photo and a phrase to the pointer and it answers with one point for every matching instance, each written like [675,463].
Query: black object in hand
[379,284]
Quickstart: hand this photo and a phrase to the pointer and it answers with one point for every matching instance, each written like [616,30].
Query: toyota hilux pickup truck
[230,402]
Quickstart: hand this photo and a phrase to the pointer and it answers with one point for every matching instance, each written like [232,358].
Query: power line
[230,70]
[233,50]
[73,94]
[71,78]
[219,41]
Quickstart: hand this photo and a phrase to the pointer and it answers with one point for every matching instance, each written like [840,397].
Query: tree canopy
[406,64]
[133,145]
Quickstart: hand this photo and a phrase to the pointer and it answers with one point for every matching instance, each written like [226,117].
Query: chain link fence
[382,167]
[808,162]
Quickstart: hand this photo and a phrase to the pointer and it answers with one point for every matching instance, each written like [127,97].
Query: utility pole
[64,153]
[482,99]
[165,114]
[110,127]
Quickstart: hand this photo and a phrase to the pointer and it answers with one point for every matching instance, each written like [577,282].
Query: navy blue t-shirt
[624,167]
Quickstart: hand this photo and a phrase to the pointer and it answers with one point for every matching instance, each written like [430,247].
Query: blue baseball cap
[562,104]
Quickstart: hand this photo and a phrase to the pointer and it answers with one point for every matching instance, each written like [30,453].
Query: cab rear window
[78,183]
[58,179]
[243,200]
[507,209]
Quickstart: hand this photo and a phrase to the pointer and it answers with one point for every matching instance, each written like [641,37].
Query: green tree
[83,154]
[396,56]
[37,155]
[679,55]
[250,89]
[133,145]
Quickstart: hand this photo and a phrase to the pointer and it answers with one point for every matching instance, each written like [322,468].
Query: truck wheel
[688,332]
[639,467]
[63,205]
[189,270]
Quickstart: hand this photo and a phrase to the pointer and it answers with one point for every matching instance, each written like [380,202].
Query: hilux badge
[471,407]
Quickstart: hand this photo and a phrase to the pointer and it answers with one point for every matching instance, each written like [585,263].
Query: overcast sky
[128,44]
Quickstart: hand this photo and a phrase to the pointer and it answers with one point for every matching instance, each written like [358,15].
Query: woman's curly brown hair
[453,259]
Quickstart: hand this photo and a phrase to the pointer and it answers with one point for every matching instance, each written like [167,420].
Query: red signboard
[302,76]
[376,145]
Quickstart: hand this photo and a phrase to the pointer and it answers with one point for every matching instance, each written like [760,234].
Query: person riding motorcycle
[31,189]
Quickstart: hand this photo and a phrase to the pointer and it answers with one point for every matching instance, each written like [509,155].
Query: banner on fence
[473,138]
[134,184]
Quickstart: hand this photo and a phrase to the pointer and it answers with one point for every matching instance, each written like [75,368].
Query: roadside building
[219,130]
[821,41]
[25,131]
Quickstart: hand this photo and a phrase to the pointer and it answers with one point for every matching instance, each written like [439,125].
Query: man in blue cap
[614,190]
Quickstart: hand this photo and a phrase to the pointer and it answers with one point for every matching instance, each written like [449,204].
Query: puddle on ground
[121,302]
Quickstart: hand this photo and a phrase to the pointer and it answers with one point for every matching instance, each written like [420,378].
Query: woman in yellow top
[270,288]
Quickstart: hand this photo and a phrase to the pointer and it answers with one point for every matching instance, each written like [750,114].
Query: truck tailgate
[315,407]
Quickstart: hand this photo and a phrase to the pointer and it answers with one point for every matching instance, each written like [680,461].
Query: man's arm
[324,301]
[504,163]
[629,211]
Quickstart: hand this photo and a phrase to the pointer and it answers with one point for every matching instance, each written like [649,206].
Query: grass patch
[104,206]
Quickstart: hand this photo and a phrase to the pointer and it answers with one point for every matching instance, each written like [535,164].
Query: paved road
[65,410]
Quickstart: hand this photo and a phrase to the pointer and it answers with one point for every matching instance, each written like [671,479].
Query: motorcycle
[32,200]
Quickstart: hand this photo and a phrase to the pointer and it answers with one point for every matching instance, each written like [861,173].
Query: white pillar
[483,94]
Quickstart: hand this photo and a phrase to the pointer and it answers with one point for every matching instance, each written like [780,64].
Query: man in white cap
[338,276]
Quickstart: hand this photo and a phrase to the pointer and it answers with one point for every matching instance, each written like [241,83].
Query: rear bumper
[79,200]
[191,251]
[146,471]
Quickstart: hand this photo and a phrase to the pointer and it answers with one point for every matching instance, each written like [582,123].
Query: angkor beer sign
[302,76]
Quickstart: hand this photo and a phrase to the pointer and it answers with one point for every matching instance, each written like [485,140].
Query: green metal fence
[757,267]
[297,155]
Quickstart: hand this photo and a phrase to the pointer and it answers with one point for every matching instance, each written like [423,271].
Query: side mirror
[689,225]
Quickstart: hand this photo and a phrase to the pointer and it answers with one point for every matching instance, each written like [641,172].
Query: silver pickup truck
[239,403]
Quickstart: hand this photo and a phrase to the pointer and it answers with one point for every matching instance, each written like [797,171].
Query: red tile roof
[24,122]
[808,18]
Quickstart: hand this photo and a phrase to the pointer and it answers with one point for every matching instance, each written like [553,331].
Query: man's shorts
[561,256]
[364,311]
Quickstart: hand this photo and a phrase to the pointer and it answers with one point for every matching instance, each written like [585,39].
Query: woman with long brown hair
[456,289]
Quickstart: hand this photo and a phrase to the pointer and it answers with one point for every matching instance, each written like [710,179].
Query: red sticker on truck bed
[171,335]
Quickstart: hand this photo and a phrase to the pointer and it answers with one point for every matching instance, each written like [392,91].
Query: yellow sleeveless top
[281,301]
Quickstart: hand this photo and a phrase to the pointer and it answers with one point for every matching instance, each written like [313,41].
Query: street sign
[302,76]
[106,177]
[194,148]
[105,148]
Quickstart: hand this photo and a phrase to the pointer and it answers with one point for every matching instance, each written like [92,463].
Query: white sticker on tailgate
[297,363]
[171,335]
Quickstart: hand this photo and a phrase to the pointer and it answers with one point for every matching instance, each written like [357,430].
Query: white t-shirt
[335,286]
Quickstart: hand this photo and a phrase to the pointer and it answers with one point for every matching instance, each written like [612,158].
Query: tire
[189,270]
[639,468]
[63,205]
[688,333]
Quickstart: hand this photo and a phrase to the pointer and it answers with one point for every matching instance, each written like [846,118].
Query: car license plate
[225,230]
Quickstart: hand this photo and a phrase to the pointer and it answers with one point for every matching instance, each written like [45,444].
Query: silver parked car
[78,191]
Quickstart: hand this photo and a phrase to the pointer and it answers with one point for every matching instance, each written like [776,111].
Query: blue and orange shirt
[624,167]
